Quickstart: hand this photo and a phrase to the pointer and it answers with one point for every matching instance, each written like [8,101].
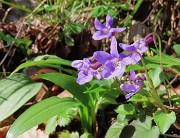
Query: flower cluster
[103,65]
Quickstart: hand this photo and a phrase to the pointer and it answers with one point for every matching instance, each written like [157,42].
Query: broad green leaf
[166,59]
[95,89]
[154,62]
[115,129]
[46,61]
[68,83]
[126,109]
[177,49]
[15,91]
[138,98]
[157,76]
[104,101]
[39,113]
[163,120]
[144,129]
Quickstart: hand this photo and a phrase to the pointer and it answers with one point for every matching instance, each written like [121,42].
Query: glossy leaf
[68,83]
[39,113]
[15,91]
[164,120]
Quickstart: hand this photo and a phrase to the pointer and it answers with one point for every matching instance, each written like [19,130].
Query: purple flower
[113,66]
[88,68]
[105,31]
[138,47]
[134,85]
[130,88]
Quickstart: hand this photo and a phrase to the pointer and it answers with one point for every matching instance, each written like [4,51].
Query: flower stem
[153,90]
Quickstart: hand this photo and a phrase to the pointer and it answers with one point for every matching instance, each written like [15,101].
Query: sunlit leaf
[126,109]
[138,98]
[157,76]
[15,91]
[39,113]
[68,83]
[143,127]
[164,120]
[44,61]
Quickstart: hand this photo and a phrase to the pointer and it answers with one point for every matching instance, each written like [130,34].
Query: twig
[154,6]
[6,14]
[18,33]
[172,30]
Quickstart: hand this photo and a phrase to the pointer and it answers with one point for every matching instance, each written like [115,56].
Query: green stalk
[170,104]
[153,90]
[136,7]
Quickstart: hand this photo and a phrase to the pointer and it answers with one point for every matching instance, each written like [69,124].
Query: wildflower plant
[102,78]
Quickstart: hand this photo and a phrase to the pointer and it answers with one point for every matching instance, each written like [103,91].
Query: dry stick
[154,6]
[6,14]
[172,30]
[174,79]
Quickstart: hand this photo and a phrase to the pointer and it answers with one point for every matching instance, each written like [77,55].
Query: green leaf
[46,61]
[144,129]
[175,99]
[163,120]
[65,117]
[39,113]
[51,125]
[138,98]
[126,109]
[15,91]
[166,59]
[154,62]
[98,11]
[86,135]
[68,83]
[74,27]
[17,6]
[67,134]
[115,129]
[49,8]
[157,76]
[95,89]
[177,49]
[69,40]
